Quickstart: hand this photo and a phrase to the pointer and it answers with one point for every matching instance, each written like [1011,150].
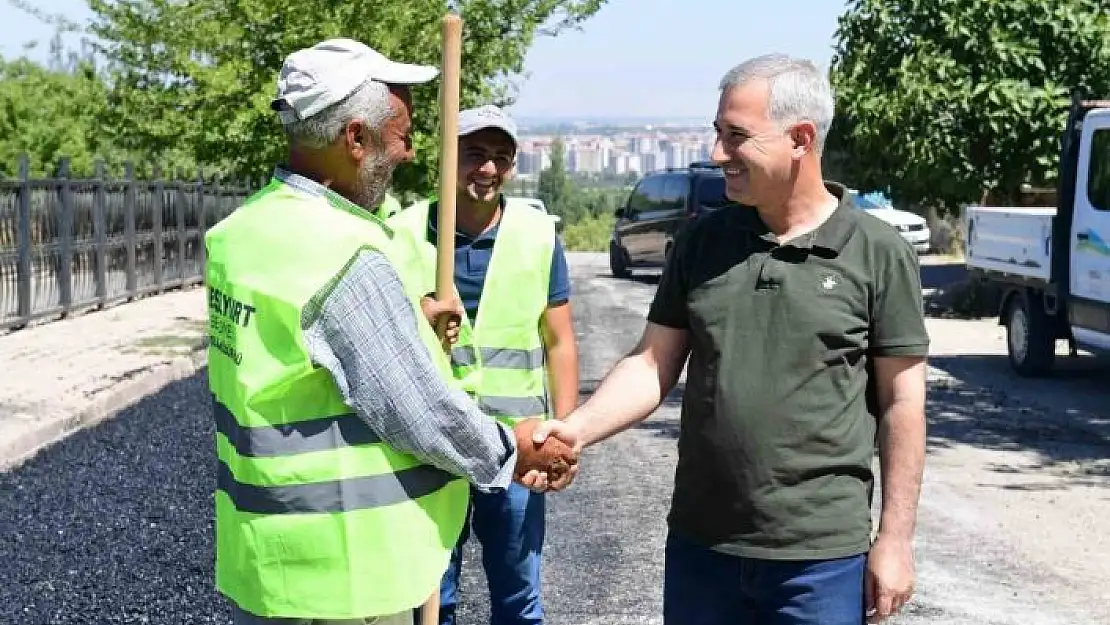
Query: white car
[912,227]
[534,203]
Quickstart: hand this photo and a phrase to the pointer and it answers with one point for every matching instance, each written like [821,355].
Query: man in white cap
[516,351]
[321,88]
[344,457]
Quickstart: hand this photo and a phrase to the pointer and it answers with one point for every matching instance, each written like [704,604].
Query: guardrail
[70,244]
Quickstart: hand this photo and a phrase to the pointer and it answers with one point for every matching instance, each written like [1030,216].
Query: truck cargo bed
[1010,240]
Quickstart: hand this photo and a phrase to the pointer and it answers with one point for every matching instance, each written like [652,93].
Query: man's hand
[543,463]
[444,316]
[890,577]
[544,434]
[564,430]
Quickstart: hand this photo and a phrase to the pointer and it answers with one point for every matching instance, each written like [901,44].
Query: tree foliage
[554,186]
[590,234]
[201,73]
[941,100]
[587,211]
[54,110]
[44,114]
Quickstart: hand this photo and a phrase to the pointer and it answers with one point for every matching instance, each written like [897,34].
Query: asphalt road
[113,525]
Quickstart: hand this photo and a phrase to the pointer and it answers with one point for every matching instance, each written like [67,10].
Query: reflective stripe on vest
[500,357]
[374,491]
[264,441]
[328,496]
[316,516]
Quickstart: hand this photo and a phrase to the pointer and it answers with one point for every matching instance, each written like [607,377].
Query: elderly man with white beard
[344,456]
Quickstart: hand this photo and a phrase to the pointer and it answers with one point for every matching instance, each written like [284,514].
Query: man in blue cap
[516,351]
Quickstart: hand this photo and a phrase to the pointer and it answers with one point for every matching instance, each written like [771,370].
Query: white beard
[374,177]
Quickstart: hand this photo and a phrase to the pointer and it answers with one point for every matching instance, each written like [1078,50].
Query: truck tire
[1030,341]
[618,261]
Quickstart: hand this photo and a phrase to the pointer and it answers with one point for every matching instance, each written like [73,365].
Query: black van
[660,205]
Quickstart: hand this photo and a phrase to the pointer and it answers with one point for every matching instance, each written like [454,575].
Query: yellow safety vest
[388,208]
[316,517]
[500,357]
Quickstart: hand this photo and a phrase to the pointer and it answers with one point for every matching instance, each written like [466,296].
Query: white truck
[1052,261]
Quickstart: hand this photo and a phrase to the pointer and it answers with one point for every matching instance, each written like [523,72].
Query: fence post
[100,232]
[201,216]
[157,205]
[129,229]
[23,241]
[217,210]
[179,205]
[65,242]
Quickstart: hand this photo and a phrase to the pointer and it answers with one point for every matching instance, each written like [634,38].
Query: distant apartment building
[634,164]
[527,163]
[589,161]
[533,157]
[617,154]
[585,156]
[676,156]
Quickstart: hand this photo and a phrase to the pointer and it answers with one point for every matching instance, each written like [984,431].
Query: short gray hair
[369,103]
[798,90]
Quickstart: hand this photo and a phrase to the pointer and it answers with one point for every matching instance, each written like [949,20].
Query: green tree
[555,189]
[589,234]
[941,100]
[42,114]
[599,201]
[53,111]
[200,73]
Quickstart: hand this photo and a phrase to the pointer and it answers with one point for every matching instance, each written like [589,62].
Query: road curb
[41,433]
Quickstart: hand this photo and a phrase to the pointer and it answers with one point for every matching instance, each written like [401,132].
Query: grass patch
[590,234]
[170,342]
[192,337]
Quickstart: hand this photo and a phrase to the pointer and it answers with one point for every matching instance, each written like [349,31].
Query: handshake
[548,465]
[547,461]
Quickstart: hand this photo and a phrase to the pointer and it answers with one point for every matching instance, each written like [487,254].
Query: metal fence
[68,244]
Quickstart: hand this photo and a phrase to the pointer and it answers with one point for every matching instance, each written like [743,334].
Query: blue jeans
[510,526]
[705,587]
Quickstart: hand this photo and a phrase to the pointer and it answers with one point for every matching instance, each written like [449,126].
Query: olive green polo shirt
[776,438]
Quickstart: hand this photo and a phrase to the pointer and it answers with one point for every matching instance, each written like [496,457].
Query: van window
[1098,176]
[711,193]
[674,192]
[645,197]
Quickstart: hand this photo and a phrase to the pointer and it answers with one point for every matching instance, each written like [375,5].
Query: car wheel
[618,261]
[1030,342]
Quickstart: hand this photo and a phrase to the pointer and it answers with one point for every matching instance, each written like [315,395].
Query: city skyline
[629,151]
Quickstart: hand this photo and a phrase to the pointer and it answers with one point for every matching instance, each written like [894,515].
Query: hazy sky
[634,58]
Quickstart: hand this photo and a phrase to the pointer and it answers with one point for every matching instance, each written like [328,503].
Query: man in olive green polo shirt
[788,311]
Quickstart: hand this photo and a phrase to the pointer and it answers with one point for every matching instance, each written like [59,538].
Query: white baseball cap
[488,116]
[313,79]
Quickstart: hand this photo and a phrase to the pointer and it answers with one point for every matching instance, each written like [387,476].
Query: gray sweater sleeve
[364,332]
